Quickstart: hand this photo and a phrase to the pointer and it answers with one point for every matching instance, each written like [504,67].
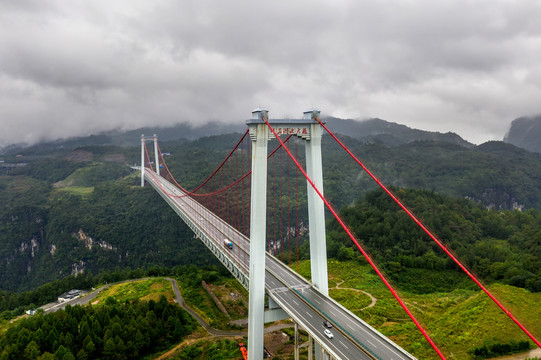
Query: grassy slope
[145,290]
[457,321]
[81,191]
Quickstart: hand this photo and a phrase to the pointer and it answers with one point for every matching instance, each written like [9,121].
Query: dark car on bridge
[327,324]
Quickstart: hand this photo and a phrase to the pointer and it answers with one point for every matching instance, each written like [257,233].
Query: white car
[328,333]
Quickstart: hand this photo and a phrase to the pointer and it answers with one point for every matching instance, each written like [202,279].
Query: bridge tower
[143,139]
[309,130]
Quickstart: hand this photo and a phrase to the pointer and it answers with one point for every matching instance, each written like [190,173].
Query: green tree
[82,355]
[88,345]
[46,356]
[64,354]
[31,352]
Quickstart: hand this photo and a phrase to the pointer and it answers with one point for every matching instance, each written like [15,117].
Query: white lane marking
[309,315]
[371,343]
[330,344]
[344,345]
[368,333]
[316,300]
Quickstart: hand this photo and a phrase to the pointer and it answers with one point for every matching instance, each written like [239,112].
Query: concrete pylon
[316,211]
[157,161]
[259,134]
[316,207]
[142,160]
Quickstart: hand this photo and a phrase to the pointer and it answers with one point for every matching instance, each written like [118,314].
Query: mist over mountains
[524,132]
[368,131]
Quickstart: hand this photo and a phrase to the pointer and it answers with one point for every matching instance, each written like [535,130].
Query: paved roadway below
[353,338]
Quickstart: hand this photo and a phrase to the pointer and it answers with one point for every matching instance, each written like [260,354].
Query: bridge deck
[353,338]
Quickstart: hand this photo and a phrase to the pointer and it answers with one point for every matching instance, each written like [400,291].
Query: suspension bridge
[245,214]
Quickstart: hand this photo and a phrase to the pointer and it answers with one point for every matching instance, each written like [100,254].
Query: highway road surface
[353,338]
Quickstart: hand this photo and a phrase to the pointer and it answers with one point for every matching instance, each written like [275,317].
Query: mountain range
[74,207]
[524,132]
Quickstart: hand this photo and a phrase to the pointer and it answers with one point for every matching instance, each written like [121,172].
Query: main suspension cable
[191,193]
[352,237]
[434,238]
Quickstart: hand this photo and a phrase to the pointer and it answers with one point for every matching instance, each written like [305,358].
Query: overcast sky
[76,67]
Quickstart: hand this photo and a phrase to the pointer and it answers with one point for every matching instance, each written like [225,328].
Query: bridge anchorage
[289,295]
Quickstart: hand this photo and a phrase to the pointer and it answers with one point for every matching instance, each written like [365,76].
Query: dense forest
[503,246]
[113,330]
[83,211]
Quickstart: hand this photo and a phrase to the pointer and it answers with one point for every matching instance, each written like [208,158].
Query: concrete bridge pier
[259,134]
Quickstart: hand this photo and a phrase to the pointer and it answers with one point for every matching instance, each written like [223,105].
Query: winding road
[52,307]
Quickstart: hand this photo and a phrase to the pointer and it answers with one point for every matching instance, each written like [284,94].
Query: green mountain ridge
[369,130]
[68,213]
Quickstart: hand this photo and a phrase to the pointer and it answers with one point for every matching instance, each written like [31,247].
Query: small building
[70,295]
[31,312]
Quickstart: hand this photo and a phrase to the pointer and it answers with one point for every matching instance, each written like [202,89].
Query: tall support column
[258,229]
[156,154]
[316,212]
[296,355]
[142,160]
[310,347]
[316,207]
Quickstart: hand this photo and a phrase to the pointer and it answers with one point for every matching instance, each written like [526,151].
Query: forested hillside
[502,246]
[68,212]
[113,330]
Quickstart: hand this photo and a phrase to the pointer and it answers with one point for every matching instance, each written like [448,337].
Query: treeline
[114,330]
[497,349]
[503,246]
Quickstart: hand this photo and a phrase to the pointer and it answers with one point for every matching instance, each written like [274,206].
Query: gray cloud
[77,67]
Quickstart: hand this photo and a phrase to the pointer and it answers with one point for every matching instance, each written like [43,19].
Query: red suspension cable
[436,240]
[275,209]
[237,207]
[212,175]
[281,208]
[242,150]
[148,158]
[297,205]
[288,218]
[365,254]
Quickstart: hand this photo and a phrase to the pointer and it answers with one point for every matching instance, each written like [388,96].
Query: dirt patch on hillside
[278,342]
